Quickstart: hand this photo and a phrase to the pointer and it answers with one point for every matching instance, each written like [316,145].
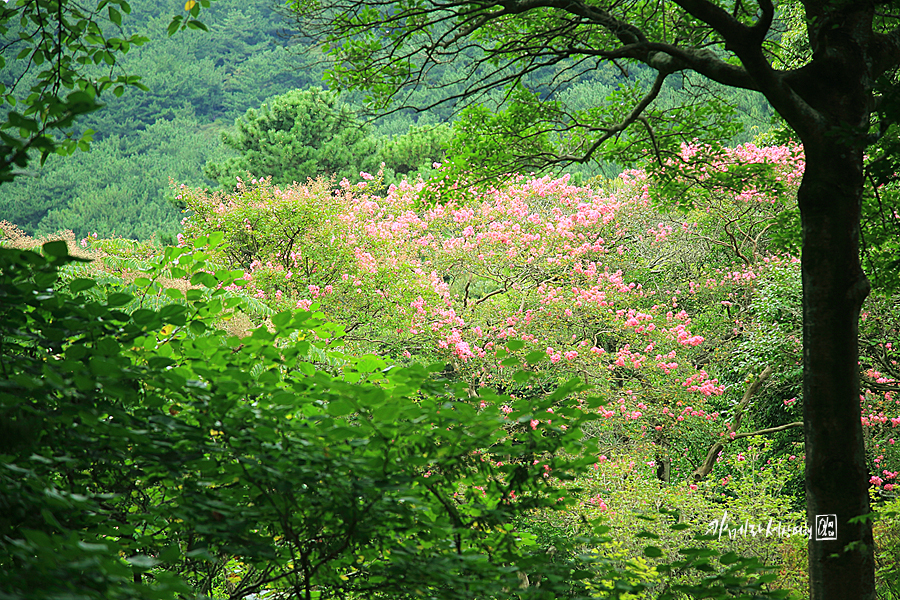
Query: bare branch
[769,430]
[704,469]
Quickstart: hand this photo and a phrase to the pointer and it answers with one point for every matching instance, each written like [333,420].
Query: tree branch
[704,469]
[768,430]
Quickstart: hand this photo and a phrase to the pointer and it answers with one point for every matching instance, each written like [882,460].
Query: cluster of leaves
[191,85]
[120,187]
[149,454]
[295,137]
[432,271]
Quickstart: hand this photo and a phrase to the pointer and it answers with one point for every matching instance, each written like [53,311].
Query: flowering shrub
[578,281]
[669,317]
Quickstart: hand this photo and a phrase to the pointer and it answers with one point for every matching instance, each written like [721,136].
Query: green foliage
[415,152]
[196,80]
[533,97]
[120,187]
[486,139]
[880,221]
[78,49]
[68,86]
[218,74]
[70,404]
[887,550]
[143,441]
[295,137]
[287,244]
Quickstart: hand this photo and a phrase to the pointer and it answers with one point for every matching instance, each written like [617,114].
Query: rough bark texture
[834,288]
[838,87]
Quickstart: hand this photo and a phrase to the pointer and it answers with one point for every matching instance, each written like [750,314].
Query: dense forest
[264,340]
[200,83]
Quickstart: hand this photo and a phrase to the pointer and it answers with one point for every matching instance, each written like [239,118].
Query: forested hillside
[199,83]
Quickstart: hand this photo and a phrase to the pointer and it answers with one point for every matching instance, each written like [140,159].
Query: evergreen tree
[294,137]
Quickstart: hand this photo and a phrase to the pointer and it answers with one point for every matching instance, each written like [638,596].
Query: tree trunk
[834,287]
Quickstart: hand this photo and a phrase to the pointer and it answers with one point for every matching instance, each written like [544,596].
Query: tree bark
[834,287]
[828,103]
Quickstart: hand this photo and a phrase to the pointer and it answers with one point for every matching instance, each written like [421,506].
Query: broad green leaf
[514,345]
[118,299]
[81,284]
[340,407]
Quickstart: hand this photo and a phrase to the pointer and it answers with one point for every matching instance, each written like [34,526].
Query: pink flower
[598,502]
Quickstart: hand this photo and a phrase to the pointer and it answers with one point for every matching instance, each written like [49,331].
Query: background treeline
[200,83]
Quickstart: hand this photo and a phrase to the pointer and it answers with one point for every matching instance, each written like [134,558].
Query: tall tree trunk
[834,287]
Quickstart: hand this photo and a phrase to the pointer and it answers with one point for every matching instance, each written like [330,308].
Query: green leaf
[205,279]
[115,16]
[514,345]
[142,562]
[729,558]
[174,25]
[57,249]
[173,313]
[81,284]
[652,552]
[386,413]
[118,299]
[108,346]
[369,363]
[340,407]
[535,357]
[281,320]
[522,376]
[143,316]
